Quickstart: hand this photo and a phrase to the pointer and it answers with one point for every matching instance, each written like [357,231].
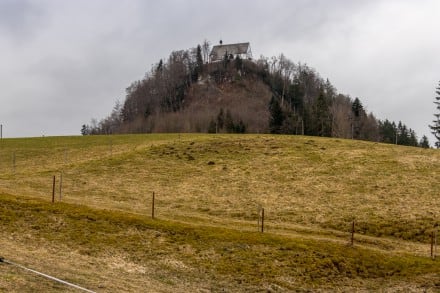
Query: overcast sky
[64,62]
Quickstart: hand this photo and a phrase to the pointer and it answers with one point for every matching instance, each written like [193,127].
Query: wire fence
[2,260]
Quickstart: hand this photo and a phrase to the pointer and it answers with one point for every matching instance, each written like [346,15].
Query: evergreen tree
[402,134]
[85,129]
[413,138]
[212,127]
[329,90]
[357,111]
[159,67]
[238,63]
[220,119]
[196,69]
[435,127]
[240,127]
[229,122]
[199,59]
[290,123]
[387,131]
[357,107]
[424,142]
[276,118]
[323,121]
[295,96]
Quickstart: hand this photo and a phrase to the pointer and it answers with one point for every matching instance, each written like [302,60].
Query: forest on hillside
[188,93]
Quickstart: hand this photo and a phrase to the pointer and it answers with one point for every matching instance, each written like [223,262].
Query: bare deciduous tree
[340,111]
[206,50]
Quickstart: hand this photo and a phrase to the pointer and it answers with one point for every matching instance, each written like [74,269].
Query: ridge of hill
[209,190]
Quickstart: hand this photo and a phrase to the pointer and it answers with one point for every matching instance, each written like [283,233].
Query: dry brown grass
[118,251]
[310,188]
[108,272]
[312,182]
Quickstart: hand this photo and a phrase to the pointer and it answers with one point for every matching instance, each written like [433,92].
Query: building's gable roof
[219,51]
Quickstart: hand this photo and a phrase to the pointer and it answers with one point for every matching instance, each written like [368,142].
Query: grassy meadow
[209,190]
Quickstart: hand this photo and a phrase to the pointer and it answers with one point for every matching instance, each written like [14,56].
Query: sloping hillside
[246,100]
[209,192]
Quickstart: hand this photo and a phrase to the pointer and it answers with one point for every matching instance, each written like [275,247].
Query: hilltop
[209,192]
[234,93]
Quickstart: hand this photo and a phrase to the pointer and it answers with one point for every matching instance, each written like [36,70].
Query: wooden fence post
[262,220]
[432,245]
[258,220]
[152,207]
[53,189]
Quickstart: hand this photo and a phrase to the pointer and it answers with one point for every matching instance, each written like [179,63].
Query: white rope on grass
[45,275]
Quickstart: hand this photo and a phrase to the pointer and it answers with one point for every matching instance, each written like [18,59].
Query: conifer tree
[435,127]
[323,121]
[358,111]
[229,122]
[424,143]
[199,59]
[412,138]
[220,119]
[276,116]
[212,127]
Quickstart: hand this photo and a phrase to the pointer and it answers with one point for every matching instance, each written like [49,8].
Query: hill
[209,190]
[190,93]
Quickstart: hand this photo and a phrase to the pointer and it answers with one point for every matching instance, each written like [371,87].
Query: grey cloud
[20,18]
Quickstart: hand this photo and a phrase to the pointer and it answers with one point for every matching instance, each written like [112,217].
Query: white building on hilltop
[242,50]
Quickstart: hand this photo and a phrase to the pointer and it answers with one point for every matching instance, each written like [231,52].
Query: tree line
[301,102]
